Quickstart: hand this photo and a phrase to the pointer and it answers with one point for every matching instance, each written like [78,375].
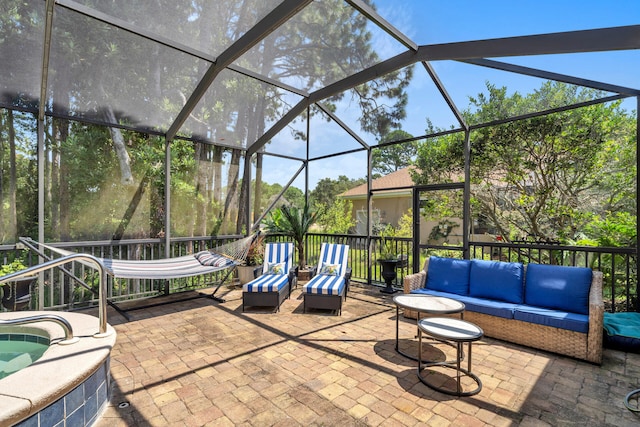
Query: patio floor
[200,362]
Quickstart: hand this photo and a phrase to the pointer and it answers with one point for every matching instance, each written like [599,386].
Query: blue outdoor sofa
[548,307]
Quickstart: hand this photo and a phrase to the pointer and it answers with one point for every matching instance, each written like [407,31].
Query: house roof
[399,178]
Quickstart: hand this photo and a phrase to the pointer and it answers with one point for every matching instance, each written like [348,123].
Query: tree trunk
[215,204]
[257,197]
[217,175]
[3,228]
[13,179]
[232,186]
[126,177]
[64,192]
[202,174]
[54,184]
[256,127]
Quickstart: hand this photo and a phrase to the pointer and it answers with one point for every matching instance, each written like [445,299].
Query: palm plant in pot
[295,222]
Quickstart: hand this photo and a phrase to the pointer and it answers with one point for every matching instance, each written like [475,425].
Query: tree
[92,57]
[539,178]
[338,218]
[327,190]
[391,158]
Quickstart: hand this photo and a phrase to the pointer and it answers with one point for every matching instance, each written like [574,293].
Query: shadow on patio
[202,363]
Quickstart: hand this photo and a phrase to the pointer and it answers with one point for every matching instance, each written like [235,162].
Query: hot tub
[67,383]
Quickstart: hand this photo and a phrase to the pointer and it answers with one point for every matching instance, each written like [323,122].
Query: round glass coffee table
[450,331]
[427,304]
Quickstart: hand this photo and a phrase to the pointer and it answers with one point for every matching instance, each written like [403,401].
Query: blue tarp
[622,331]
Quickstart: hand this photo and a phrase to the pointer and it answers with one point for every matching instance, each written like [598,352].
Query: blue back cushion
[495,280]
[448,275]
[558,287]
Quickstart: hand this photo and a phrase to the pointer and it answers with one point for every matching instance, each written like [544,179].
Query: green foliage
[327,190]
[84,197]
[338,218]
[544,178]
[294,222]
[614,229]
[387,249]
[14,266]
[255,254]
[405,224]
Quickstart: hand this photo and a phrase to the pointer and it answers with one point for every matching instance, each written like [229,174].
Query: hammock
[228,255]
[224,257]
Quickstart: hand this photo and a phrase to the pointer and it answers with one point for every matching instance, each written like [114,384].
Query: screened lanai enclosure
[151,129]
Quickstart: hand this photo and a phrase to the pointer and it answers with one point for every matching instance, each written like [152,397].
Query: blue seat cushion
[558,287]
[448,275]
[325,284]
[478,305]
[495,280]
[267,283]
[555,318]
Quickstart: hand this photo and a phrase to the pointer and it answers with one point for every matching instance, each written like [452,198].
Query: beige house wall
[391,209]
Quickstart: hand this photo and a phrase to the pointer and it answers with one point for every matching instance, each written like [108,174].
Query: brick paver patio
[200,362]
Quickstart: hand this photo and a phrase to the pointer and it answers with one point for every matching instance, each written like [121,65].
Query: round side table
[453,331]
[427,304]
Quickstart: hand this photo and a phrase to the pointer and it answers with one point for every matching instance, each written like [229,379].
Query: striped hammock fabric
[167,268]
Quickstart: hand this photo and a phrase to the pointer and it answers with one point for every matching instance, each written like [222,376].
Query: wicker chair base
[324,302]
[266,299]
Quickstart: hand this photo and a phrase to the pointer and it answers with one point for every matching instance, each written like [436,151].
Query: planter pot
[307,273]
[389,274]
[246,273]
[16,295]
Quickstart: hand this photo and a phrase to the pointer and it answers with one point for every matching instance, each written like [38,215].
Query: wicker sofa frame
[574,344]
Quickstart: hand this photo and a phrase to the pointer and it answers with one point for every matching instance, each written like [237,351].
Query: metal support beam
[44,76]
[369,210]
[466,197]
[598,40]
[306,163]
[283,12]
[343,125]
[518,69]
[167,206]
[549,111]
[291,115]
[46,51]
[445,94]
[275,200]
[372,15]
[246,189]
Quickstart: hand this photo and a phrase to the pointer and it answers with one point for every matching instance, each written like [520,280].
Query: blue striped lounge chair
[329,286]
[274,285]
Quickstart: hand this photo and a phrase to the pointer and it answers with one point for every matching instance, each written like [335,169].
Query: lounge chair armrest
[347,275]
[313,271]
[257,271]
[293,271]
[293,275]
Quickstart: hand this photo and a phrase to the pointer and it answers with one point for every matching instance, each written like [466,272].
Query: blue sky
[438,21]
